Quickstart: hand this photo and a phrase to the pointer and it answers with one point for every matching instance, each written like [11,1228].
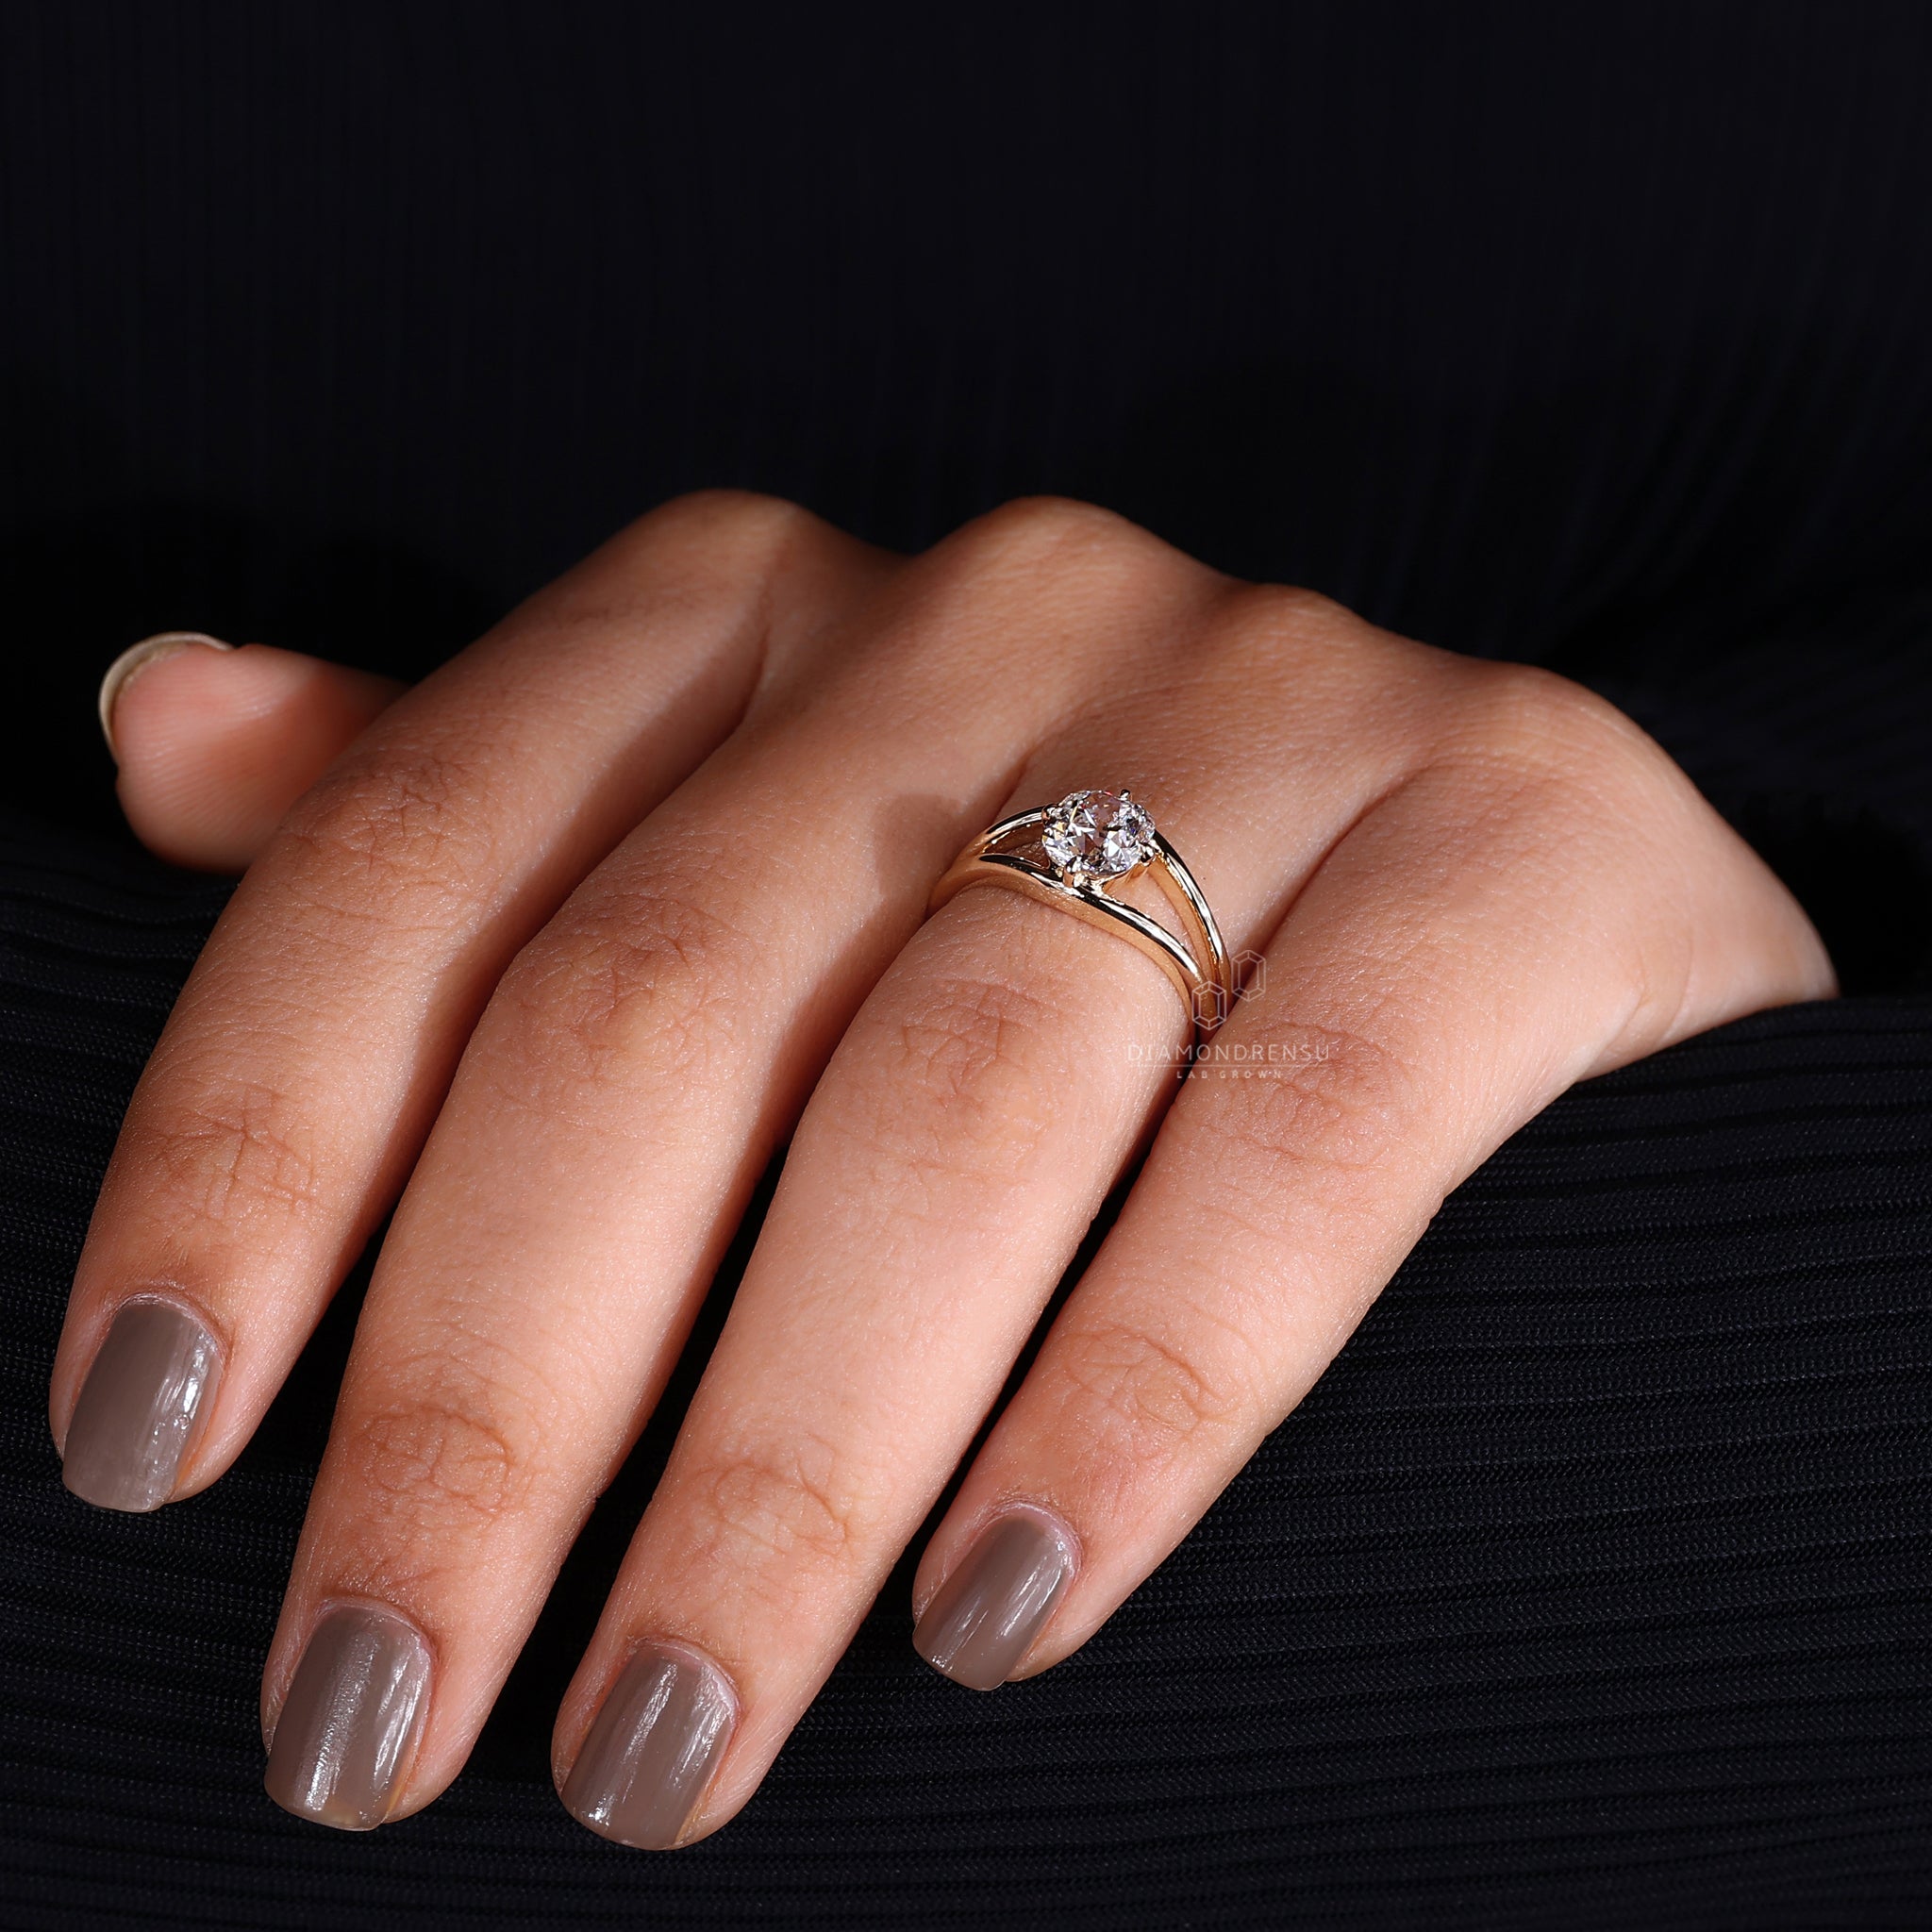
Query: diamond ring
[1093,839]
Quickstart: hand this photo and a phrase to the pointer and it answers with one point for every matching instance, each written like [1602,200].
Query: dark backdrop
[1592,1589]
[1595,335]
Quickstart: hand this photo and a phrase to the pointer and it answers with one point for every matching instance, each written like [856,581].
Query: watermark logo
[1233,1059]
[1213,1057]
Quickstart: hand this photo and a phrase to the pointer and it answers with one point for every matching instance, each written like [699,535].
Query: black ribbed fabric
[1587,1590]
[1590,1589]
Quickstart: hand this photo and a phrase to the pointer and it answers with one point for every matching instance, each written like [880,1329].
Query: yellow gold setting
[1095,839]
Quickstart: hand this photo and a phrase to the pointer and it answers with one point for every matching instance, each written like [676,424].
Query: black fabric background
[1590,1588]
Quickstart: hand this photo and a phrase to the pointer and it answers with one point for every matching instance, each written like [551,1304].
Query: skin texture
[561,946]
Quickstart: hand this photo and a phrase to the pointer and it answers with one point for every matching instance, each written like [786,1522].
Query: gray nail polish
[149,1385]
[991,1608]
[349,1726]
[652,1750]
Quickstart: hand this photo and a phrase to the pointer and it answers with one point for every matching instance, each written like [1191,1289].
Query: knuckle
[403,823]
[708,557]
[447,1450]
[1273,639]
[1543,725]
[803,1500]
[742,521]
[1535,770]
[1263,613]
[713,545]
[1337,1102]
[990,593]
[243,1150]
[1281,638]
[959,1033]
[1037,536]
[1140,1398]
[1055,520]
[969,1075]
[639,978]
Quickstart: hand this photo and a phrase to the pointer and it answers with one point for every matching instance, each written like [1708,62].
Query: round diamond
[1095,836]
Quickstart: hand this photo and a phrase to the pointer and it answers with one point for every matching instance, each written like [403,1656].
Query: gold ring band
[1095,838]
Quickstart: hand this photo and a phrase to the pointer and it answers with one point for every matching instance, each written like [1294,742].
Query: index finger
[301,1069]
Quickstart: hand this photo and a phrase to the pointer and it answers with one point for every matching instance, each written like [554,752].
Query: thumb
[215,743]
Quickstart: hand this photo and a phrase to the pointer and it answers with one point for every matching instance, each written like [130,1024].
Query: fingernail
[348,1729]
[653,1749]
[150,1384]
[135,660]
[991,1608]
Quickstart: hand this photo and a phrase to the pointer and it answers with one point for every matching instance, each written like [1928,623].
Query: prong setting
[1094,836]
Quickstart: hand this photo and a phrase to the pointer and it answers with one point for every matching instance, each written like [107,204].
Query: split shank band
[1093,839]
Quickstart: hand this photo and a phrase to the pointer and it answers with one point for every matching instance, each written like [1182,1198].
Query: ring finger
[1449,972]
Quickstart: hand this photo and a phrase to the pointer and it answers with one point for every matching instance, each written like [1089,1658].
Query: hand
[566,943]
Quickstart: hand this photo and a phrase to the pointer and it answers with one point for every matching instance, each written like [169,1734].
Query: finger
[1466,953]
[641,1061]
[870,1334]
[938,1185]
[306,1056]
[214,744]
